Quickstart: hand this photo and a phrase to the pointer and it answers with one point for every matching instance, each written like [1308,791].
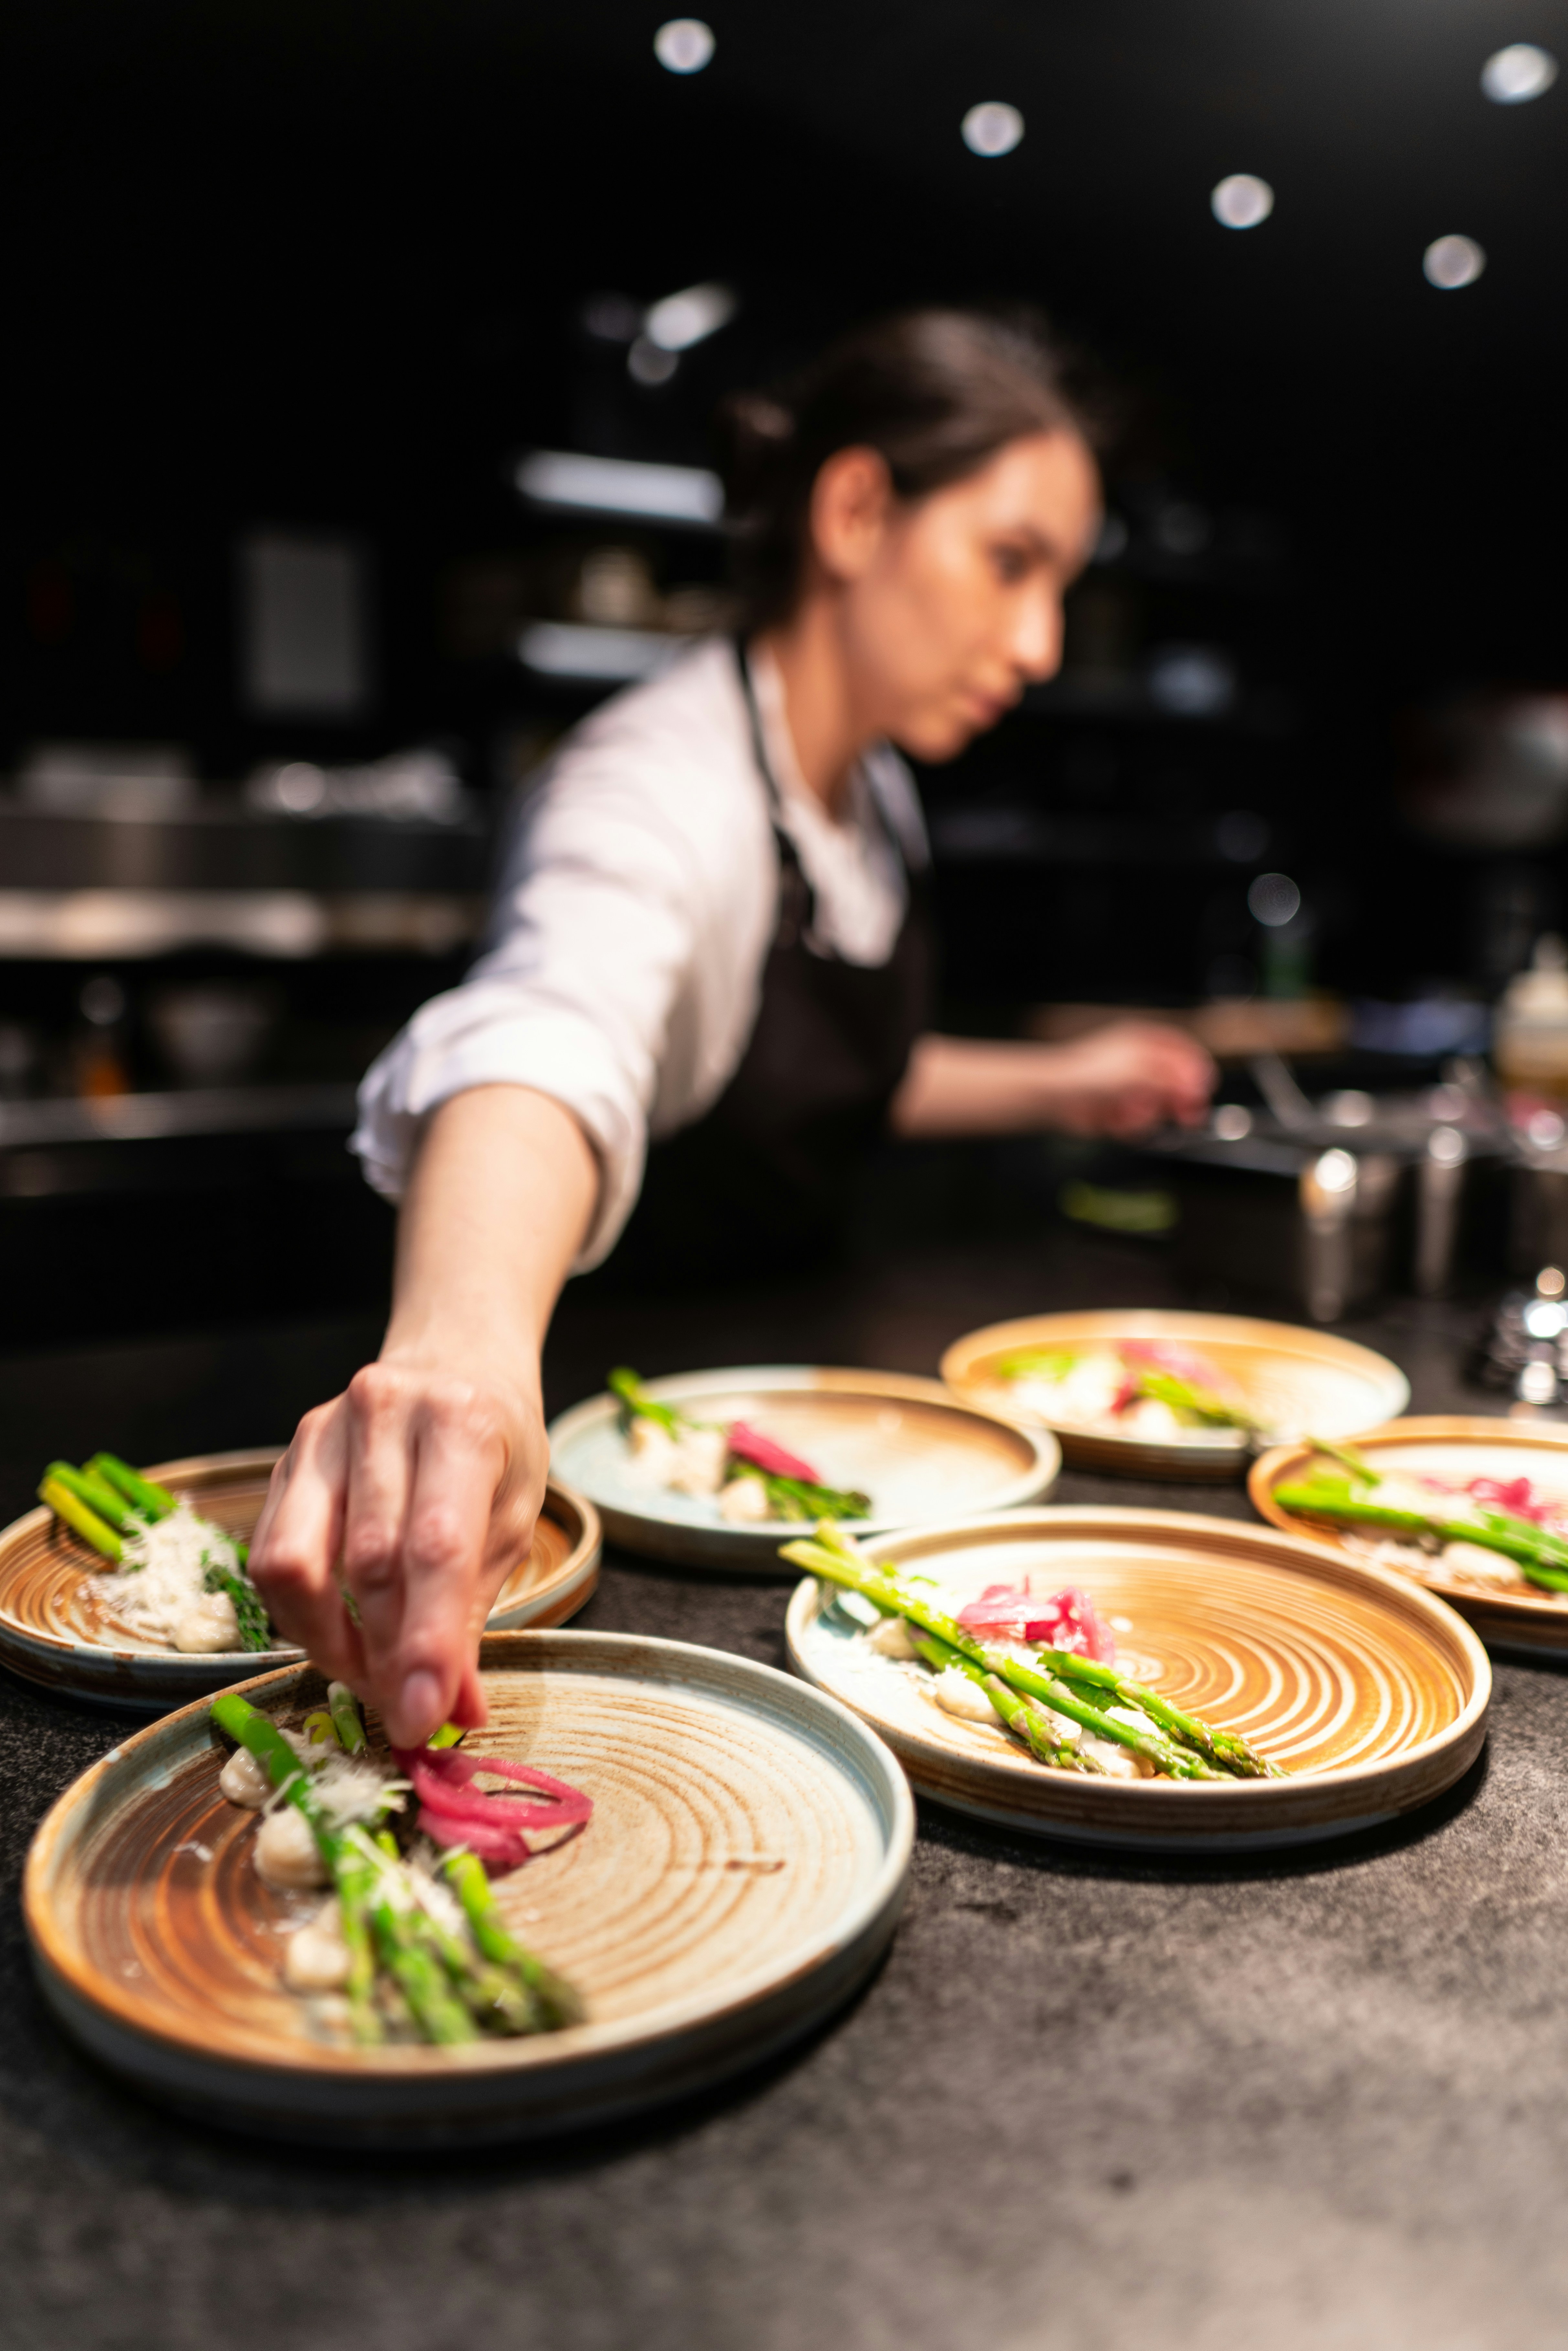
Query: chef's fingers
[452,1566]
[383,1404]
[294,1551]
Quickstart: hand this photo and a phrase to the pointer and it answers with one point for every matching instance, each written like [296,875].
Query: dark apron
[761,1181]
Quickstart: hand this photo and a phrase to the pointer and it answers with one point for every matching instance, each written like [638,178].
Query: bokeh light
[1512,75]
[1450,261]
[1274,900]
[992,128]
[1243,201]
[684,45]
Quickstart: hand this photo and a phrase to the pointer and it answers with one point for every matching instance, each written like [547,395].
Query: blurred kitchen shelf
[163,1117]
[218,843]
[584,653]
[621,489]
[119,925]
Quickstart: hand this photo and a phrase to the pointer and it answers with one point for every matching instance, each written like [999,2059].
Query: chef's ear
[851,499]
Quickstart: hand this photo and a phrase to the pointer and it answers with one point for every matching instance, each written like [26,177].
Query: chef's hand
[415,1492]
[1129,1077]
[1123,1079]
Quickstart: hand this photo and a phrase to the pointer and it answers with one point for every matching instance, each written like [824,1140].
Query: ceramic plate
[741,1875]
[1511,1613]
[56,1628]
[920,1454]
[1370,1693]
[1290,1378]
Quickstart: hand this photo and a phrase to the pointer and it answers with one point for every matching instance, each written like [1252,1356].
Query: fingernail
[421,1704]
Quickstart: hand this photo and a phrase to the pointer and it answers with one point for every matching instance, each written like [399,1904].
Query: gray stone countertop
[1316,2100]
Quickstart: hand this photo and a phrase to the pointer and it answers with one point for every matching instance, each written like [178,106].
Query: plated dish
[1475,1510]
[1358,1693]
[740,1875]
[1148,1393]
[659,1459]
[72,1619]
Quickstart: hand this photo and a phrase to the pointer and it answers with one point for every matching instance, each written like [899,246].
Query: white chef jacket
[622,968]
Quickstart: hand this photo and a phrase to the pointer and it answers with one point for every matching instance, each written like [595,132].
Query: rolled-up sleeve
[596,929]
[619,874]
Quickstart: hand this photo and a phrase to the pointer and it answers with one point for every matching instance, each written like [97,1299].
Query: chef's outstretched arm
[1121,1080]
[423,1478]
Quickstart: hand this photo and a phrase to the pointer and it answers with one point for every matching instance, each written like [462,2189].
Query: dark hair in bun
[936,392]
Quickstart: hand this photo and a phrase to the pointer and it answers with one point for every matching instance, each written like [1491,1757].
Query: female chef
[710,938]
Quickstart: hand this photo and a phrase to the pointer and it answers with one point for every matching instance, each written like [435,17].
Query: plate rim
[1213,1796]
[1220,1328]
[1437,1429]
[546,2053]
[756,1546]
[573,1581]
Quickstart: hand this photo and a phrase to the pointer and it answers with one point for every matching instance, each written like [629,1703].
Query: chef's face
[950,605]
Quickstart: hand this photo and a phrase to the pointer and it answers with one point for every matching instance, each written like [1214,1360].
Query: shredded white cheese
[158,1590]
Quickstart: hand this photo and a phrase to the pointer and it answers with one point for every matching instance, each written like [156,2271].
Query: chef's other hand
[1128,1077]
[419,1486]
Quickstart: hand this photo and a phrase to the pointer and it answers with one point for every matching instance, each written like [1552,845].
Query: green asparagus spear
[405,1965]
[834,1561]
[1036,1364]
[1022,1716]
[794,1497]
[148,1500]
[1198,1403]
[1542,1559]
[1227,1750]
[109,1506]
[344,1708]
[558,2003]
[250,1612]
[641,1405]
[1360,1468]
[83,1521]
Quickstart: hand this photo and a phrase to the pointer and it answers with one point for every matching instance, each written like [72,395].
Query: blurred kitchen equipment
[1489,770]
[1277,1216]
[1329,1202]
[212,1032]
[1276,1082]
[125,783]
[1530,1037]
[406,788]
[97,1049]
[1523,1347]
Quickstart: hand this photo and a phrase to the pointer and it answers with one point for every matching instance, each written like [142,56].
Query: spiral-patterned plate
[918,1453]
[741,1874]
[1290,1379]
[1453,1449]
[58,1626]
[1370,1694]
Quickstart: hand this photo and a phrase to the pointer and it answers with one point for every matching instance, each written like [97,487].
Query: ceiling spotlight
[1450,261]
[992,128]
[687,317]
[1242,201]
[1522,71]
[684,45]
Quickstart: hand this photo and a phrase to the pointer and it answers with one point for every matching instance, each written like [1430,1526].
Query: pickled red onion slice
[750,1444]
[1066,1619]
[443,1780]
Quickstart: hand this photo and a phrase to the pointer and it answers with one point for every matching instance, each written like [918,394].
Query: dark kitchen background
[294,294]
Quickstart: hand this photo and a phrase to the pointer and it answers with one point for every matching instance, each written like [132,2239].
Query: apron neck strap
[770,781]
